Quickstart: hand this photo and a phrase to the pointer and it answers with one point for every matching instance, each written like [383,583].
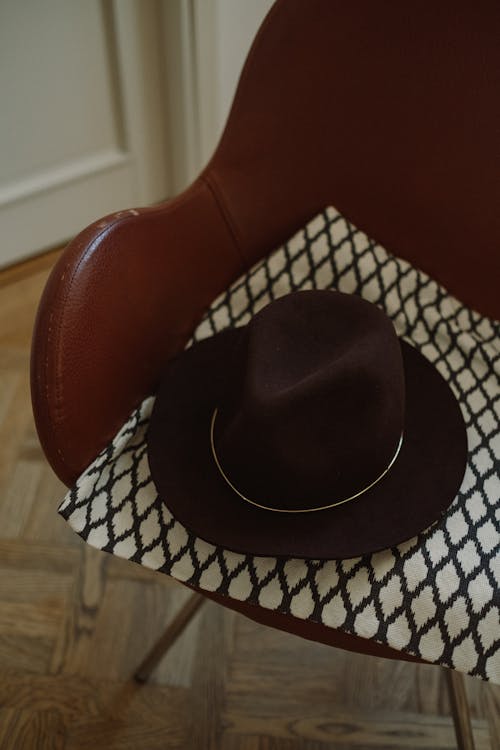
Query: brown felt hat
[311,432]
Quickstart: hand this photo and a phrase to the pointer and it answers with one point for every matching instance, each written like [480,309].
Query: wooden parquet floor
[75,622]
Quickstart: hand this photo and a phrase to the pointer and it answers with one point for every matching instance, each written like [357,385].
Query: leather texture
[313,631]
[389,112]
[125,296]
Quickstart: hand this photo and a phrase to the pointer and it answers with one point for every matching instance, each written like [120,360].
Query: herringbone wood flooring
[75,622]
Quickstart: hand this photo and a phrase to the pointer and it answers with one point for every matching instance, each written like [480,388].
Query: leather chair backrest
[389,111]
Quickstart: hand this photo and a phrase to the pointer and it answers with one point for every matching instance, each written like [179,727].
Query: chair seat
[434,597]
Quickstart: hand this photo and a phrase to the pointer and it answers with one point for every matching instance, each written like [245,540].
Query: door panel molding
[60,176]
[48,206]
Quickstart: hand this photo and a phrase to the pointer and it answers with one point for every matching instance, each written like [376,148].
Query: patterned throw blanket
[436,596]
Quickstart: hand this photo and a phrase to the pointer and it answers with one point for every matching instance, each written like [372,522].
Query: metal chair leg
[460,709]
[173,631]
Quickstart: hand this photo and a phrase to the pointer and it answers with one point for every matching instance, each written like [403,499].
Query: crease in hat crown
[314,412]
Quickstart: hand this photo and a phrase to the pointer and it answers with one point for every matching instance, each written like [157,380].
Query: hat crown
[315,409]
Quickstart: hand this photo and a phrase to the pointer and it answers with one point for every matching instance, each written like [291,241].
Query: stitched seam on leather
[54,414]
[57,410]
[40,385]
[211,184]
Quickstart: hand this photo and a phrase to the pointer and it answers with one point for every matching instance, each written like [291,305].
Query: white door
[83,125]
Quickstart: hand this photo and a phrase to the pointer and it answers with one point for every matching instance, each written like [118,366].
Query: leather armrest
[124,297]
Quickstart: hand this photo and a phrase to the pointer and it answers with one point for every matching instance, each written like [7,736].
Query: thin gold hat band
[295,510]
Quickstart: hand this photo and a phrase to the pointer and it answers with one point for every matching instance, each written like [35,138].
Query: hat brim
[419,487]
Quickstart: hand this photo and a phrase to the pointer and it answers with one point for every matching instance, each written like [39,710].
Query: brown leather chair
[387,111]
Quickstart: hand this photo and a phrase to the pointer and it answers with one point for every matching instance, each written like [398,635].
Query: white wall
[207,42]
[224,31]
[238,23]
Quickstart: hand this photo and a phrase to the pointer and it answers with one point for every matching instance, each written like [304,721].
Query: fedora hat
[311,432]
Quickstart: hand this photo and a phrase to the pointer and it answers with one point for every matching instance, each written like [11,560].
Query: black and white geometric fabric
[436,596]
